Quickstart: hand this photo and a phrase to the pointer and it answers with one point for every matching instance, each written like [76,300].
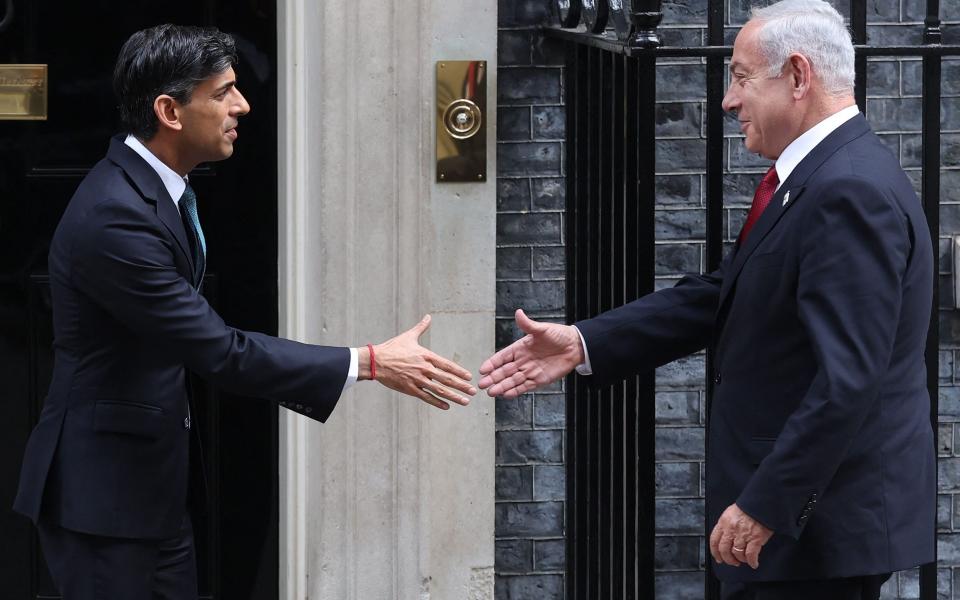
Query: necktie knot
[761,198]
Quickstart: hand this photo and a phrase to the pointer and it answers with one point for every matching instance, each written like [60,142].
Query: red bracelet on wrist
[373,363]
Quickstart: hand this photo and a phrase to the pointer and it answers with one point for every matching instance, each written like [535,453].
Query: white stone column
[390,498]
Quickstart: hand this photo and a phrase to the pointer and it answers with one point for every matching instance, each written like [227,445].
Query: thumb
[421,327]
[526,324]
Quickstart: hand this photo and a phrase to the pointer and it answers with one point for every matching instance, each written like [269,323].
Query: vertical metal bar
[593,286]
[646,189]
[858,28]
[631,290]
[931,205]
[713,193]
[618,138]
[583,396]
[571,87]
[582,400]
[604,297]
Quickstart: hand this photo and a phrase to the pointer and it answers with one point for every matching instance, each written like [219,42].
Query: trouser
[849,588]
[92,567]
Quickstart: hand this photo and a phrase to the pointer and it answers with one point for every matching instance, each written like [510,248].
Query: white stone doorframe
[390,498]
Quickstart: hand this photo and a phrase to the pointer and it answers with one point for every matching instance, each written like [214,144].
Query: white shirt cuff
[584,368]
[353,371]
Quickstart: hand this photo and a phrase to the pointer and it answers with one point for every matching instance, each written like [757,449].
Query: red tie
[761,198]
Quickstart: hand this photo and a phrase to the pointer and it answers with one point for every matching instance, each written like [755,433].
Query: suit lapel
[795,184]
[770,217]
[152,189]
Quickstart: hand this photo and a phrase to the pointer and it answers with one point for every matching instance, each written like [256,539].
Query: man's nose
[241,106]
[730,102]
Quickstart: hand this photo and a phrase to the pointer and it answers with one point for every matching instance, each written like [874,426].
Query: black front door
[41,163]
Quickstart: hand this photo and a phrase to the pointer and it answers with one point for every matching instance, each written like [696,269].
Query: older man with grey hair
[821,472]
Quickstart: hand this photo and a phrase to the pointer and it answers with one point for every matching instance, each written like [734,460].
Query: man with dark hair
[105,473]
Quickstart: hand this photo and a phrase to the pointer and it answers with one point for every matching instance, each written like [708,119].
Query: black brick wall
[530,273]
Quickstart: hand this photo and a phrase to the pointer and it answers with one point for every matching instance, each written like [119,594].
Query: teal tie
[188,201]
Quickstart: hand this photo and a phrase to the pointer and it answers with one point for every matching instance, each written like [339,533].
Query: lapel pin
[786,198]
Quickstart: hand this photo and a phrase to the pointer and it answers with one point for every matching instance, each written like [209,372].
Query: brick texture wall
[530,272]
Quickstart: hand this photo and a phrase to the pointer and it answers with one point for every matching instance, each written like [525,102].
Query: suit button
[716,379]
[308,410]
[299,407]
[186,422]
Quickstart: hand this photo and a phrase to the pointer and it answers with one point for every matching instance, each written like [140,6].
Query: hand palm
[547,353]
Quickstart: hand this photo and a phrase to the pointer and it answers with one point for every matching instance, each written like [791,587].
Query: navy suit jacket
[109,455]
[820,422]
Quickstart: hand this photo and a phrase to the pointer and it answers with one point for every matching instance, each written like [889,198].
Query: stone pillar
[391,498]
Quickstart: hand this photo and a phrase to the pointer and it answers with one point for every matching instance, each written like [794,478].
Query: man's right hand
[402,364]
[548,352]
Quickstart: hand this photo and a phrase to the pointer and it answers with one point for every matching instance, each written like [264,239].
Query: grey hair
[814,29]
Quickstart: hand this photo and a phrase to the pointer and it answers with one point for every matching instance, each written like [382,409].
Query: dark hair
[166,59]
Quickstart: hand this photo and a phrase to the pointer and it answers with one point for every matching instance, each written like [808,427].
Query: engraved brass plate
[23,92]
[461,120]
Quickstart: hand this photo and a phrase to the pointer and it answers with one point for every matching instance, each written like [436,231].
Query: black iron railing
[610,91]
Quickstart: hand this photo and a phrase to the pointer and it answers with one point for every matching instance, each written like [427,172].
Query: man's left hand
[738,538]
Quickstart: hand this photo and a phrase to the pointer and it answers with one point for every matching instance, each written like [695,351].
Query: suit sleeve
[123,261]
[849,293]
[653,330]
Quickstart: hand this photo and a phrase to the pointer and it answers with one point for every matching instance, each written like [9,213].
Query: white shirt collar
[174,183]
[811,138]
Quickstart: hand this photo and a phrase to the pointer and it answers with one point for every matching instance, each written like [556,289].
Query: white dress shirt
[175,186]
[791,156]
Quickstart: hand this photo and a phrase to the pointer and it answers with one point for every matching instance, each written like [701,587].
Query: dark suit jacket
[109,455]
[820,423]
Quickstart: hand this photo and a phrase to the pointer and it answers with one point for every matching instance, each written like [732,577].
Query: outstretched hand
[402,364]
[548,352]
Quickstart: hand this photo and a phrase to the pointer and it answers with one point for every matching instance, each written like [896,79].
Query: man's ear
[800,73]
[168,112]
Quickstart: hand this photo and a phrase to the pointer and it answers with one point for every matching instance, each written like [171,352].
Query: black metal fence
[610,91]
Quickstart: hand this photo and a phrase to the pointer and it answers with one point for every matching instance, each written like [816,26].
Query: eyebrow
[224,87]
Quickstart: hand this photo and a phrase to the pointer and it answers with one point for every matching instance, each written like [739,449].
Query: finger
[526,324]
[523,388]
[431,400]
[752,553]
[449,366]
[726,553]
[501,378]
[715,543]
[421,327]
[445,393]
[498,360]
[507,391]
[510,384]
[453,382]
[485,382]
[738,550]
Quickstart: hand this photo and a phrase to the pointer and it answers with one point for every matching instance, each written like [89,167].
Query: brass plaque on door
[461,120]
[23,92]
